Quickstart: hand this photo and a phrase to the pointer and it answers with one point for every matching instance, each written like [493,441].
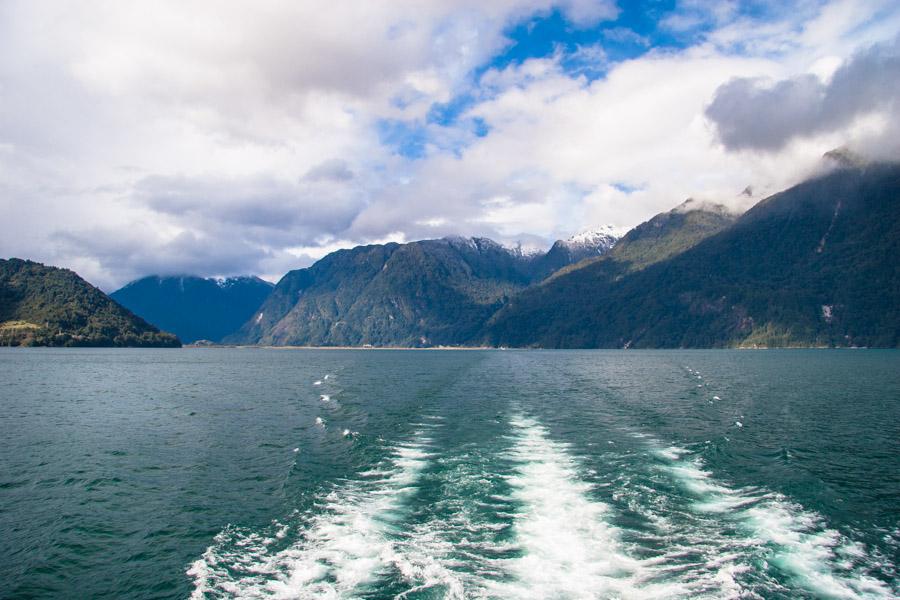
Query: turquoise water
[219,473]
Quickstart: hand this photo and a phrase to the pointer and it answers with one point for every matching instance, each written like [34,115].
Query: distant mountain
[422,293]
[813,265]
[192,307]
[47,306]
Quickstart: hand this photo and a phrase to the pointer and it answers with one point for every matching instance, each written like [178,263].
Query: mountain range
[814,265]
[194,308]
[811,266]
[425,293]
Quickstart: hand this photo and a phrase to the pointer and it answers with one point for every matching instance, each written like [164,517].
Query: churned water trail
[452,548]
[344,543]
[569,549]
[774,538]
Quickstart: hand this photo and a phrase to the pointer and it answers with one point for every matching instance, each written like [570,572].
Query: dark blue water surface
[219,473]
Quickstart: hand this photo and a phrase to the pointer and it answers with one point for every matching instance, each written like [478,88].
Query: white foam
[317,382]
[797,541]
[672,452]
[345,544]
[325,398]
[425,559]
[820,559]
[569,548]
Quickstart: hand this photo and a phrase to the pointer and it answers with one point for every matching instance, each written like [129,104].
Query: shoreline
[504,348]
[255,347]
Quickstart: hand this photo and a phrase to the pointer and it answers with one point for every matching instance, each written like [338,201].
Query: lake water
[219,473]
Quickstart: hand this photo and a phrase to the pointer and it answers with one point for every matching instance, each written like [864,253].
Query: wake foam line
[568,547]
[345,545]
[457,552]
[797,541]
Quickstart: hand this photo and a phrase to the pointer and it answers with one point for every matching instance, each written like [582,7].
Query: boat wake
[520,516]
[344,544]
[761,540]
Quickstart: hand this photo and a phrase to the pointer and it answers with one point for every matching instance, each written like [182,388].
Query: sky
[221,138]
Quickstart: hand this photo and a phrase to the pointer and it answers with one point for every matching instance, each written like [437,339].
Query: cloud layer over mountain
[218,138]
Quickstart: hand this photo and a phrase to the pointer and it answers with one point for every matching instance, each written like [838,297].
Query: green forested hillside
[46,306]
[814,265]
[422,293]
[540,311]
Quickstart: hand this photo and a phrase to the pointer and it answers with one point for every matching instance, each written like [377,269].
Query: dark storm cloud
[752,114]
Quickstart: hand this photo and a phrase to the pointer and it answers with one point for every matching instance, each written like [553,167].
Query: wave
[344,545]
[519,517]
[779,540]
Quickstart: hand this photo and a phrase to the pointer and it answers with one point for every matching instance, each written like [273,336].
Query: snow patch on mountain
[227,282]
[600,239]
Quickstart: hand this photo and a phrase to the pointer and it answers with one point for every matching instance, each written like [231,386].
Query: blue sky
[633,33]
[205,138]
[587,51]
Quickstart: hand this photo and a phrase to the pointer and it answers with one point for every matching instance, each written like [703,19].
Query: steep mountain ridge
[587,244]
[658,239]
[421,293]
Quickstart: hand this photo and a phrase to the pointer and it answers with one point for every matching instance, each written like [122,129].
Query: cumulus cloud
[756,114]
[210,138]
[584,13]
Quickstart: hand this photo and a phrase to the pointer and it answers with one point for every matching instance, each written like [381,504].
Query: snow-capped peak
[604,236]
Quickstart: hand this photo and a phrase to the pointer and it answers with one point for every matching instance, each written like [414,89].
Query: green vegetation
[46,306]
[813,266]
[424,293]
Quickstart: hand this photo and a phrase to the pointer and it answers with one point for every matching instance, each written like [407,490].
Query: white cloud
[220,138]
